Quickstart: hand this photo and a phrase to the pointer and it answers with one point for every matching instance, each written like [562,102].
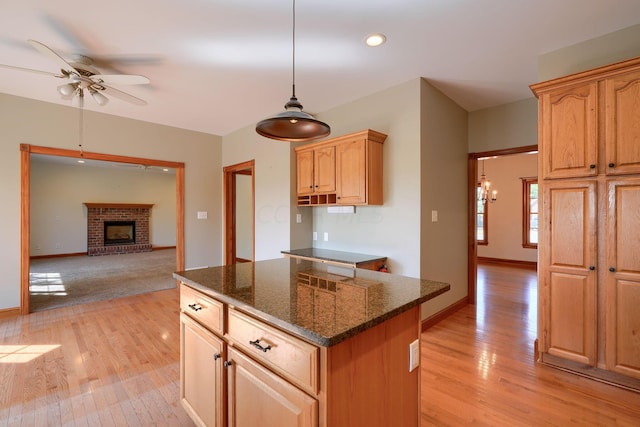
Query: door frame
[472,173]
[229,182]
[25,203]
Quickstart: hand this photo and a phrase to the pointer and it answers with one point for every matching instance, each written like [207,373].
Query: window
[481,219]
[530,212]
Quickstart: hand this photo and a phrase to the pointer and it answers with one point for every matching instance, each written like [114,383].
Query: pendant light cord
[294,51]
[81,121]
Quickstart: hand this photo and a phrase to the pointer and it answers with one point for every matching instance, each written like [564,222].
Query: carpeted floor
[60,282]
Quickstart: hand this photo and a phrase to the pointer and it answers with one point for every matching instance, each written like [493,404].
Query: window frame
[485,220]
[526,212]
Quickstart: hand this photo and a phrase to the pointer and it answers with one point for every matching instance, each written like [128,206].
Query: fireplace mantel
[119,205]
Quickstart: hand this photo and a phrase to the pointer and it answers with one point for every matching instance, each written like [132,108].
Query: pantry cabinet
[589,250]
[346,170]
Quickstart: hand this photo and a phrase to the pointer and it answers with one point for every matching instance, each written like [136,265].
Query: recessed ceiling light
[80,161]
[165,170]
[375,39]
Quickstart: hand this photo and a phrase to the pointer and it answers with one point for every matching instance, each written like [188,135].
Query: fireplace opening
[119,232]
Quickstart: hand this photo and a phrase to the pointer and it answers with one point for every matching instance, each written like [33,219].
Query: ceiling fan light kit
[82,76]
[293,124]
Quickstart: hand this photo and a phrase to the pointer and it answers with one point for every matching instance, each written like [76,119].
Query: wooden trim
[472,245]
[526,211]
[505,152]
[9,312]
[443,314]
[25,208]
[242,260]
[368,134]
[533,265]
[229,200]
[119,205]
[58,255]
[25,224]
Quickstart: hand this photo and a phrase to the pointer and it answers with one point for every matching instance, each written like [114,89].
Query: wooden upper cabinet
[569,130]
[345,170]
[622,124]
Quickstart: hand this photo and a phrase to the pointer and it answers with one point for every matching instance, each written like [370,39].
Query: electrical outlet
[299,218]
[315,235]
[414,355]
[326,236]
[434,216]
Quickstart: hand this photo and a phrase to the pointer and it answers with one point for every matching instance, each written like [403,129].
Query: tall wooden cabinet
[346,170]
[589,250]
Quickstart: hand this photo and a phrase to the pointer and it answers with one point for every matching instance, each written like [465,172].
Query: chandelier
[486,194]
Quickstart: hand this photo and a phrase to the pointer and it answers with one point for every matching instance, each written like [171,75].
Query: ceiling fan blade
[11,67]
[45,50]
[120,79]
[123,95]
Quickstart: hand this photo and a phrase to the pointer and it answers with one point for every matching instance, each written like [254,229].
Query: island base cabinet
[258,397]
[201,376]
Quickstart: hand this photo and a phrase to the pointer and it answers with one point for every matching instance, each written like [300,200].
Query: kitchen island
[290,342]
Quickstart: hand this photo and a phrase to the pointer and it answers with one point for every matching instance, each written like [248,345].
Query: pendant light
[486,194]
[293,124]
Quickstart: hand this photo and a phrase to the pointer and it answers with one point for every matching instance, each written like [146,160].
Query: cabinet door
[567,271]
[304,162]
[351,172]
[258,397]
[622,123]
[201,375]
[568,132]
[623,277]
[324,169]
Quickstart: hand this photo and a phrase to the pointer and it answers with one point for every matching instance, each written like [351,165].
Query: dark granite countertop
[335,256]
[278,292]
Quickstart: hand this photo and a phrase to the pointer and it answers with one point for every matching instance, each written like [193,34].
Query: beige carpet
[64,281]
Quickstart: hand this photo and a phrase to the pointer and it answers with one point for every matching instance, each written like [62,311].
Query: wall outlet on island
[414,355]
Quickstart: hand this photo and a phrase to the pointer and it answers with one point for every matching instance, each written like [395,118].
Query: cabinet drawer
[293,358]
[204,309]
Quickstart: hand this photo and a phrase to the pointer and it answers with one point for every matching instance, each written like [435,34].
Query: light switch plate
[298,218]
[434,216]
[414,355]
[202,215]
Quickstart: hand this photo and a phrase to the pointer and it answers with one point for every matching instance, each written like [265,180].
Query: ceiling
[219,65]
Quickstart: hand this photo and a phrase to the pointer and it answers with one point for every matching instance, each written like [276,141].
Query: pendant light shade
[293,124]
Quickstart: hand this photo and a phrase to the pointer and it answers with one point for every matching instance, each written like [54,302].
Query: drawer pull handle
[217,356]
[227,363]
[195,307]
[257,345]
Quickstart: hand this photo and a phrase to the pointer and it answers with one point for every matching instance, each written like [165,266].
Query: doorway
[25,205]
[239,212]
[472,173]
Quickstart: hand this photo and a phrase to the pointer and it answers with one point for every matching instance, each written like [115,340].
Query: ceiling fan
[81,76]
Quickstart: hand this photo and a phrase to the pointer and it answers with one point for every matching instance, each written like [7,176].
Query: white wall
[24,121]
[390,230]
[443,188]
[505,215]
[273,207]
[58,191]
[244,228]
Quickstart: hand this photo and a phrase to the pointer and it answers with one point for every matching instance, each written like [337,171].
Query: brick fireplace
[129,225]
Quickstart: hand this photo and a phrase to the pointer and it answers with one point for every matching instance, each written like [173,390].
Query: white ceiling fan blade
[120,79]
[45,50]
[123,95]
[11,67]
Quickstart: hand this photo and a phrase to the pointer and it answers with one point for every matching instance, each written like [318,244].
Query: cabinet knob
[612,269]
[338,197]
[592,166]
[316,186]
[227,363]
[311,186]
[612,165]
[592,267]
[217,356]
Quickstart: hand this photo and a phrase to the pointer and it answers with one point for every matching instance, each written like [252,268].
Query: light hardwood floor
[116,363]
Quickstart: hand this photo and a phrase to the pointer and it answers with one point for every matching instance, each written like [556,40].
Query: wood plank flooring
[115,363]
[478,367]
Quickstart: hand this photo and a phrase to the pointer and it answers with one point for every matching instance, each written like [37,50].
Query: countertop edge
[301,332]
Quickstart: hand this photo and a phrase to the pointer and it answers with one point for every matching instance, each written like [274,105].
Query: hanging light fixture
[293,124]
[485,189]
